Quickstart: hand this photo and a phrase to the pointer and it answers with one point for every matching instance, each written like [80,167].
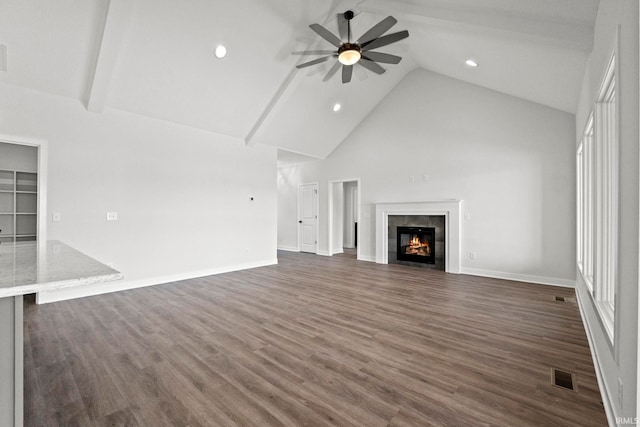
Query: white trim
[288,248]
[366,258]
[637,379]
[451,209]
[90,290]
[323,253]
[540,280]
[609,408]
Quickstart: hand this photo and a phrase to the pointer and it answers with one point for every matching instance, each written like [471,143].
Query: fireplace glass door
[417,244]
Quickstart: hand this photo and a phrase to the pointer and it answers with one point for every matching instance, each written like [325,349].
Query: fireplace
[444,215]
[416,244]
[417,240]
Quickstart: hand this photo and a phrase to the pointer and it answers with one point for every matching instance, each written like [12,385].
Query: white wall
[510,160]
[182,195]
[18,157]
[620,361]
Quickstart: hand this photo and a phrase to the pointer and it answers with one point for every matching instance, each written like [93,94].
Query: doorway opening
[344,217]
[23,188]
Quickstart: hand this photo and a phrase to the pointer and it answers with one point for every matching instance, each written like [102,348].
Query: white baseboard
[602,385]
[367,258]
[122,285]
[541,280]
[323,253]
[289,248]
[338,251]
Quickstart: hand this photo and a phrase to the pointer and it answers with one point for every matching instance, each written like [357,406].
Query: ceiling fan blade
[371,66]
[360,73]
[385,40]
[385,58]
[377,30]
[343,27]
[314,52]
[347,72]
[326,34]
[314,62]
[332,71]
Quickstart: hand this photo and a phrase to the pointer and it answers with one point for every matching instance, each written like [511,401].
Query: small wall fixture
[221,51]
[337,107]
[471,63]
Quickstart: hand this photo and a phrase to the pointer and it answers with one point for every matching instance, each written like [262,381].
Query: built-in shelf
[18,206]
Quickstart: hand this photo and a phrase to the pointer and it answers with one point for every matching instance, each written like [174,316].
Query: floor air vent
[562,379]
[566,299]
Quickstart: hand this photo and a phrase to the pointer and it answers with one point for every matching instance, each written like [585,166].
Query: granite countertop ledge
[28,267]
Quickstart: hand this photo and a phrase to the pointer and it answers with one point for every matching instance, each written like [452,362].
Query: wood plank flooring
[312,341]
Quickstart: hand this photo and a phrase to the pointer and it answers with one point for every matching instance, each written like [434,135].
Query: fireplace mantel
[451,209]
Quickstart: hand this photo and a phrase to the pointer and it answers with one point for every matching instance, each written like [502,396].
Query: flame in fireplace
[417,247]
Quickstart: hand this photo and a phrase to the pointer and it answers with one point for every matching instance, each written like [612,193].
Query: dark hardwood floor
[312,341]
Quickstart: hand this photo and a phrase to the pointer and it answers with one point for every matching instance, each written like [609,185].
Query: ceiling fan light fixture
[349,54]
[349,57]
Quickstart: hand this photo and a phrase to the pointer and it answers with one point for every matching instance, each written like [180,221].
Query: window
[585,205]
[597,201]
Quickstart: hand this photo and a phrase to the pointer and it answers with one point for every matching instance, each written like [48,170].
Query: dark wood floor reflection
[312,341]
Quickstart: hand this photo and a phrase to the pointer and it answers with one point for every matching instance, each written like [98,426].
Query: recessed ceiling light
[337,107]
[221,52]
[471,63]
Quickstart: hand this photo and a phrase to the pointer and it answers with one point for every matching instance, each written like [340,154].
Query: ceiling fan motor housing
[348,46]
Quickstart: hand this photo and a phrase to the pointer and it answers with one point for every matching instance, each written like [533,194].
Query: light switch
[112,216]
[57,217]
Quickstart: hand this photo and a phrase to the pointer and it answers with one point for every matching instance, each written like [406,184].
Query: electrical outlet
[467,215]
[620,392]
[472,255]
[57,217]
[112,216]
[425,177]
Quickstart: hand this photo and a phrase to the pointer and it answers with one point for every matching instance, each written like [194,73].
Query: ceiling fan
[358,52]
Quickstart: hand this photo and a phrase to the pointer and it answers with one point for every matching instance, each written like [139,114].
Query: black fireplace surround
[417,244]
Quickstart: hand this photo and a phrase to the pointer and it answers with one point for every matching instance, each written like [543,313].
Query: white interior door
[308,218]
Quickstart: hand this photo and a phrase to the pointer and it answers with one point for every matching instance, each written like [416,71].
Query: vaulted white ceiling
[155,58]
